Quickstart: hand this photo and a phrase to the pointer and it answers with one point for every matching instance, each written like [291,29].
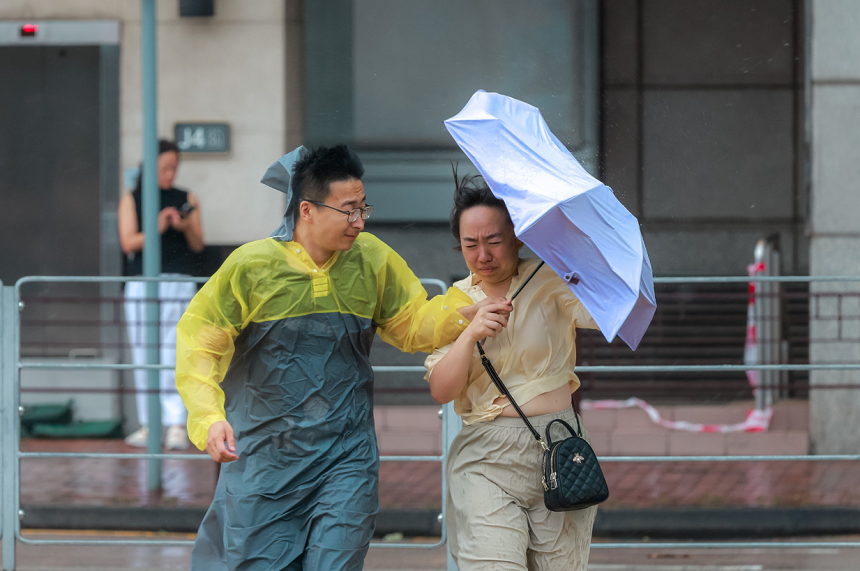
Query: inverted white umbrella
[571,220]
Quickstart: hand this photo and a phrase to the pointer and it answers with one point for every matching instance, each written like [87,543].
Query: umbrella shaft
[519,289]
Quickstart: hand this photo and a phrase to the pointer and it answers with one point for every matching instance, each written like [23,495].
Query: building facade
[716,124]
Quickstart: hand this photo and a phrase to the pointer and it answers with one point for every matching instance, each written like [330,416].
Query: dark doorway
[49,161]
[52,194]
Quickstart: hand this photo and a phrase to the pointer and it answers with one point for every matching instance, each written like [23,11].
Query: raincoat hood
[279,177]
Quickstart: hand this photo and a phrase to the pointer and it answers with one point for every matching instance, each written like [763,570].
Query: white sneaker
[176,439]
[138,438]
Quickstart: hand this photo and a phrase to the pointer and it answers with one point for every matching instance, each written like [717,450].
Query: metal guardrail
[10,327]
[741,324]
[11,367]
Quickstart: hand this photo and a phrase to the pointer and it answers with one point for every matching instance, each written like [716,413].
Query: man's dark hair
[313,174]
[472,191]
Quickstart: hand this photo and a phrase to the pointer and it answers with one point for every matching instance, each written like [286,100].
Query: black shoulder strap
[494,376]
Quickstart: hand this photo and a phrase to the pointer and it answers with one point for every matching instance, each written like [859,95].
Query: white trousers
[174,298]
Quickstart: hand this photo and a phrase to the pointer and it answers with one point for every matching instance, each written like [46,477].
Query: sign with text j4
[202,137]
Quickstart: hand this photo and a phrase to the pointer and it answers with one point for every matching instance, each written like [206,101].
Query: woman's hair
[164,146]
[471,191]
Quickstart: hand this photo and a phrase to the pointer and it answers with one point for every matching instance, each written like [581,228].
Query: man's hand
[470,311]
[220,432]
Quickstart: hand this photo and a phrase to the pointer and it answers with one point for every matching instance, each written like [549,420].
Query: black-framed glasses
[351,215]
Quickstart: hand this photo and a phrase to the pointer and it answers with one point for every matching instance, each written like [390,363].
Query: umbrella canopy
[569,219]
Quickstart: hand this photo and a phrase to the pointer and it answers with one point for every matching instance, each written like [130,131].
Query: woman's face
[167,164]
[490,247]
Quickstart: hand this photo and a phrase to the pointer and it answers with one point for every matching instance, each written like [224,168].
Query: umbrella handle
[519,289]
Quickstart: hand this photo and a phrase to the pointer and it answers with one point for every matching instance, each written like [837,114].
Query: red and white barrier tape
[757,420]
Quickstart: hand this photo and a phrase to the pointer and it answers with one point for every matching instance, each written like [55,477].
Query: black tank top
[176,255]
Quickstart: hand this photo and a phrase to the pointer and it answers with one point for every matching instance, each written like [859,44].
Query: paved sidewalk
[117,558]
[418,485]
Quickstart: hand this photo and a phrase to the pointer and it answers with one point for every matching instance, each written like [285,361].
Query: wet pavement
[146,558]
[418,485]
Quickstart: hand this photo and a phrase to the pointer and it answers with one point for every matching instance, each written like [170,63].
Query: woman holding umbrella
[496,516]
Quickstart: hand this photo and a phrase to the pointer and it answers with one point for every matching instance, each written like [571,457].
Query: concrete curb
[676,523]
[725,523]
[187,520]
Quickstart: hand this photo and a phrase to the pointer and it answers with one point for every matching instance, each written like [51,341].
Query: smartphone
[186,209]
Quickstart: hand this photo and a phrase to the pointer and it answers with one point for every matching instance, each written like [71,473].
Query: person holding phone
[181,240]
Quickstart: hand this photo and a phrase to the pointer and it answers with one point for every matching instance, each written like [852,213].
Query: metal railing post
[151,199]
[768,325]
[768,318]
[760,392]
[4,361]
[766,341]
[10,424]
[775,314]
[451,425]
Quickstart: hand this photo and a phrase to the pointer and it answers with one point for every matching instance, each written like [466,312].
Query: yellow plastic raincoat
[279,347]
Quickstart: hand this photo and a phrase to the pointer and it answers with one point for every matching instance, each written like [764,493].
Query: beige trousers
[496,518]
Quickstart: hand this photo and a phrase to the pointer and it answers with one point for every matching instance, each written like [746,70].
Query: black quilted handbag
[572,478]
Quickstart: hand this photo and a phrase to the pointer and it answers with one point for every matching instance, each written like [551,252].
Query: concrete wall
[700,115]
[835,221]
[228,68]
[383,75]
[702,125]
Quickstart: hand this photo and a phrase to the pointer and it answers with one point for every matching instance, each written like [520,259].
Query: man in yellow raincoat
[273,367]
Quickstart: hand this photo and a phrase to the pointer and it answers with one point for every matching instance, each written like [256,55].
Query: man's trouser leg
[344,520]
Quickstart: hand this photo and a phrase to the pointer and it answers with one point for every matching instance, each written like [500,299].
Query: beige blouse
[534,354]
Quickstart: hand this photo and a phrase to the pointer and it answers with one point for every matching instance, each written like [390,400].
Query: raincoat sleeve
[407,319]
[204,347]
